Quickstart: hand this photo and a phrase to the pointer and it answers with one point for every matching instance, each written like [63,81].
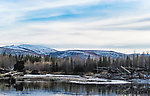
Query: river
[51,88]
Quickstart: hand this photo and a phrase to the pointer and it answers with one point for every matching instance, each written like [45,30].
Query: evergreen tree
[19,66]
[104,61]
[128,61]
[53,64]
[100,63]
[4,53]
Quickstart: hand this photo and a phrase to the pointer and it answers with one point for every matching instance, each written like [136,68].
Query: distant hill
[86,53]
[42,50]
[27,49]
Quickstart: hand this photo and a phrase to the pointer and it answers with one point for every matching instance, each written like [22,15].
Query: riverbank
[103,77]
[77,79]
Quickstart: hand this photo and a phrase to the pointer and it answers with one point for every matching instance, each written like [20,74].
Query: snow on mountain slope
[105,53]
[86,53]
[37,49]
[72,53]
[42,50]
[16,51]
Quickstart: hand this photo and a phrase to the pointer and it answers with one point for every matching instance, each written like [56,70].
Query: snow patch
[109,82]
[81,80]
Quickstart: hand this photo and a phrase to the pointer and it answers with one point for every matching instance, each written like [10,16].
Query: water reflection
[53,88]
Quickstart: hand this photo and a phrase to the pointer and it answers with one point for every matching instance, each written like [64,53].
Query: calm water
[62,89]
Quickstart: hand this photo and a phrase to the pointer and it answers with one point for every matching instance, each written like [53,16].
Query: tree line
[73,65]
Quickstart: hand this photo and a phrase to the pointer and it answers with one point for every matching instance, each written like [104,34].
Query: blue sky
[71,24]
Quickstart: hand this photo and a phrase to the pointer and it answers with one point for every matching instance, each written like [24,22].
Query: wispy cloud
[99,23]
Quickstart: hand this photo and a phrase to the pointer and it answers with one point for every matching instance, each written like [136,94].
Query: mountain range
[43,50]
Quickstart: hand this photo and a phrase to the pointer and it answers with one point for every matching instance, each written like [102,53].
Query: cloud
[14,10]
[76,23]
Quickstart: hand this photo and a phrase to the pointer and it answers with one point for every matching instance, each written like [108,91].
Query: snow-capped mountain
[28,49]
[42,50]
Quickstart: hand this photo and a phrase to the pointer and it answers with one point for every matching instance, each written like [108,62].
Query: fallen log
[125,69]
[10,77]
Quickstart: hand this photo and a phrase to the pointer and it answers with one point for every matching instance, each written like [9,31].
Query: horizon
[120,50]
[121,25]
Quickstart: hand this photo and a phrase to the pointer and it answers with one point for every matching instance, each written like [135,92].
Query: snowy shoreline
[76,79]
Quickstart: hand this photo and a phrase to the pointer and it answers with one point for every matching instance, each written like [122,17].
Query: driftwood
[10,77]
[126,69]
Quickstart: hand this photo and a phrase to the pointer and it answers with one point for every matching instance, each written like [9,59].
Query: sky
[120,25]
